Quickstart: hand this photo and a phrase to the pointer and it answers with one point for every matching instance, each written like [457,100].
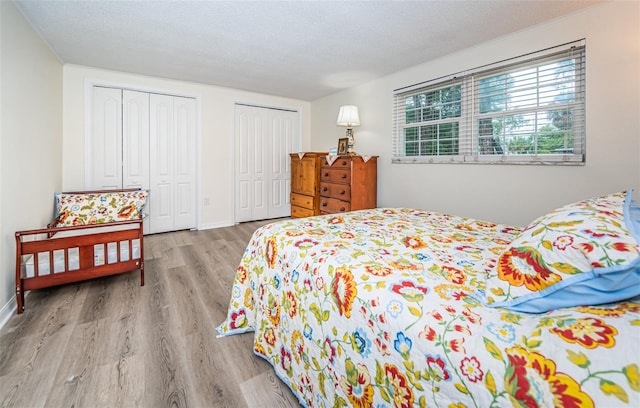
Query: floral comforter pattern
[377,308]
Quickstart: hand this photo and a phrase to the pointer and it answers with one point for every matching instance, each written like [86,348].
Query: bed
[94,234]
[404,307]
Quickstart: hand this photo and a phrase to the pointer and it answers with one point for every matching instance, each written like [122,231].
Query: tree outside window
[529,111]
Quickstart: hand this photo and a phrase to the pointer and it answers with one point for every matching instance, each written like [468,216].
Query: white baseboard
[212,225]
[7,311]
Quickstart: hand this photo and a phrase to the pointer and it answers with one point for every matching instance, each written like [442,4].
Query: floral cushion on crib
[585,253]
[99,208]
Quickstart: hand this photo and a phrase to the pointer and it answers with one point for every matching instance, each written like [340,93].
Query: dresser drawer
[301,200]
[299,212]
[339,191]
[339,163]
[332,175]
[332,205]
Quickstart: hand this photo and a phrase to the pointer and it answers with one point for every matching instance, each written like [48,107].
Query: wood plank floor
[111,343]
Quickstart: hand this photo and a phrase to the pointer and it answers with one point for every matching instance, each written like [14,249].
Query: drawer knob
[342,192]
[326,174]
[344,176]
[325,189]
[344,163]
[341,208]
[324,203]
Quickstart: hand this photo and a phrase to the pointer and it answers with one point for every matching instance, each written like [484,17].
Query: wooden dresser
[348,184]
[305,184]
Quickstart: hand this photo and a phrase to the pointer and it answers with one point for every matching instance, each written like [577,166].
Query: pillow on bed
[99,208]
[585,253]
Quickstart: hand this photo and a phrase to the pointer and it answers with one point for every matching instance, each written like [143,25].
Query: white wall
[216,152]
[508,193]
[31,138]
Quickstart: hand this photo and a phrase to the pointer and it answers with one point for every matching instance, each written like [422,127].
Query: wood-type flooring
[109,342]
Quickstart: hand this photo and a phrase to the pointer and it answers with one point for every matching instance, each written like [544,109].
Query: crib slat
[51,268]
[85,257]
[36,266]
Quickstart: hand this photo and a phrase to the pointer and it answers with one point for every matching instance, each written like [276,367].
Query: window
[527,110]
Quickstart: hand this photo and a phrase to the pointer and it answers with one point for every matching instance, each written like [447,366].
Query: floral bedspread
[380,308]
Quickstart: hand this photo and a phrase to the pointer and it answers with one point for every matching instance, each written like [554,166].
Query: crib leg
[20,298]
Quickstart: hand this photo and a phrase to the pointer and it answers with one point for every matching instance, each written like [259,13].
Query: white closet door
[244,182]
[251,189]
[172,160]
[283,140]
[146,140]
[135,144]
[135,140]
[259,157]
[264,139]
[105,146]
[185,162]
[161,160]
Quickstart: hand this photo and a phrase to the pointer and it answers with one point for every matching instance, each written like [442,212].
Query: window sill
[554,160]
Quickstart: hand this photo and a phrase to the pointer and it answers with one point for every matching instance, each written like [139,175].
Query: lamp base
[351,142]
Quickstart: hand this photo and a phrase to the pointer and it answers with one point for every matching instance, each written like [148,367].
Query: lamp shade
[348,116]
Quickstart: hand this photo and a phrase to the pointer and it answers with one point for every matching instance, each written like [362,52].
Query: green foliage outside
[508,124]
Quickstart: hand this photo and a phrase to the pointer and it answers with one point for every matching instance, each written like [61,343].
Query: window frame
[468,121]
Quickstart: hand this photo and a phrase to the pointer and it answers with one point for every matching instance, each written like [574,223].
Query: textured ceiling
[297,49]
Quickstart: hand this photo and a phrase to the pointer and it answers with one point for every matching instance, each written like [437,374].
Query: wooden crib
[98,242]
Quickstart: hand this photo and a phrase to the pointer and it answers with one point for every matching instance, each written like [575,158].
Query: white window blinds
[525,110]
